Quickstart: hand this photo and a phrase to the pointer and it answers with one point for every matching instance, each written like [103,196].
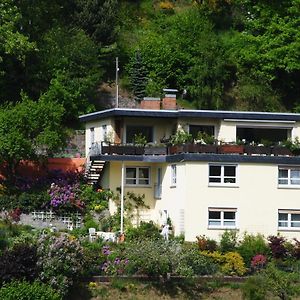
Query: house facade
[203,189]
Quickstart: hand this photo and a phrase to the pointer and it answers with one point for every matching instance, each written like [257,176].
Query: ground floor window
[137,176]
[289,219]
[173,175]
[289,177]
[222,218]
[222,174]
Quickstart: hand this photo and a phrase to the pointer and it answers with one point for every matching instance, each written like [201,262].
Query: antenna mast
[117,84]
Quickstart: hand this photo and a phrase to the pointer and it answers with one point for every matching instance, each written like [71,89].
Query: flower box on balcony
[262,150]
[156,150]
[229,148]
[139,150]
[176,149]
[200,148]
[279,150]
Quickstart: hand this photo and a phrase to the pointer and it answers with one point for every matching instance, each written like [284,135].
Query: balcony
[159,150]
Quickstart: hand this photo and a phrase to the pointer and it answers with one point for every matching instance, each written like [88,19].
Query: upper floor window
[137,176]
[222,218]
[289,177]
[132,130]
[195,129]
[92,135]
[173,175]
[222,174]
[289,219]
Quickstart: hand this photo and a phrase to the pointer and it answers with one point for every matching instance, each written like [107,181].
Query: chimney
[150,103]
[169,101]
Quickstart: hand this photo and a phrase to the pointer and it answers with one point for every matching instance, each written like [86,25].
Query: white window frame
[289,220]
[137,178]
[222,219]
[173,175]
[289,179]
[222,176]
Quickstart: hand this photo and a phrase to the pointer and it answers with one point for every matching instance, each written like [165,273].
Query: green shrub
[28,291]
[252,245]
[228,241]
[61,260]
[145,230]
[206,244]
[273,281]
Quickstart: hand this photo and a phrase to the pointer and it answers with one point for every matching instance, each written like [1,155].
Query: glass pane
[295,174]
[282,181]
[146,131]
[229,180]
[282,224]
[144,181]
[215,180]
[195,129]
[283,217]
[214,223]
[229,171]
[130,181]
[295,217]
[229,215]
[295,224]
[130,172]
[229,223]
[283,173]
[214,170]
[295,181]
[143,173]
[214,215]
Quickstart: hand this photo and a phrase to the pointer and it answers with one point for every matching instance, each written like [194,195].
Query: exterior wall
[97,132]
[227,132]
[296,131]
[257,200]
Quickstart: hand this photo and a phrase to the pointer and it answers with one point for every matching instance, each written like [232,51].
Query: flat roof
[186,113]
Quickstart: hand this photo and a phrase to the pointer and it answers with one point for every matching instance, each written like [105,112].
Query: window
[173,175]
[92,135]
[195,129]
[221,218]
[146,131]
[137,176]
[289,177]
[289,219]
[222,175]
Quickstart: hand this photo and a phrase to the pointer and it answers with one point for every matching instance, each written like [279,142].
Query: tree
[29,130]
[138,76]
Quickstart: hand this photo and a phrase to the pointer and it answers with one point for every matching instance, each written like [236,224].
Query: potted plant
[293,145]
[263,148]
[179,139]
[282,149]
[204,143]
[139,142]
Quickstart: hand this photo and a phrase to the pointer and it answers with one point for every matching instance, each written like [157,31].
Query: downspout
[122,199]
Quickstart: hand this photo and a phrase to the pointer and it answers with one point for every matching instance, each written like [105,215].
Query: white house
[253,189]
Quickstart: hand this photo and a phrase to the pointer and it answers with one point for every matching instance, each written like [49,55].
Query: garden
[43,263]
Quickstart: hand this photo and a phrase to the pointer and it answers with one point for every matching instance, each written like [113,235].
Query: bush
[231,263]
[228,241]
[20,262]
[206,244]
[61,260]
[276,244]
[278,283]
[252,245]
[145,230]
[28,291]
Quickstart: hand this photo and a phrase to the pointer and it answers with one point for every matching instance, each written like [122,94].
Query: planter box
[277,150]
[199,148]
[250,150]
[224,149]
[156,150]
[105,150]
[139,150]
[176,149]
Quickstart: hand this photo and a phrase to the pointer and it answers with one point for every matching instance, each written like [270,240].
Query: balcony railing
[131,149]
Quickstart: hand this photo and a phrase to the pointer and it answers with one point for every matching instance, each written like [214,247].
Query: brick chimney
[169,100]
[150,103]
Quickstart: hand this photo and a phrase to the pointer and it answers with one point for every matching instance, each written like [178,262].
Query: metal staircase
[93,171]
[94,167]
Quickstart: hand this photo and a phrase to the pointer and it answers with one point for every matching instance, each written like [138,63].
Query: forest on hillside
[219,54]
